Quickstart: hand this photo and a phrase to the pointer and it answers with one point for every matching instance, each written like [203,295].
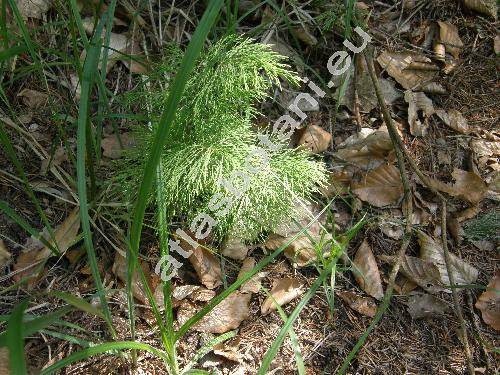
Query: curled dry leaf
[111,145]
[380,187]
[425,306]
[418,102]
[229,350]
[193,292]
[254,283]
[432,252]
[448,36]
[207,267]
[454,119]
[367,149]
[486,153]
[315,139]
[366,271]
[489,303]
[64,237]
[364,305]
[33,8]
[224,317]
[468,186]
[403,68]
[234,248]
[283,291]
[486,7]
[33,98]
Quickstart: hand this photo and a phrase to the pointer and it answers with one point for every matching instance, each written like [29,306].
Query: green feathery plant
[212,136]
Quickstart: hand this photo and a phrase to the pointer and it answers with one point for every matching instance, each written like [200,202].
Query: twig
[357,103]
[408,217]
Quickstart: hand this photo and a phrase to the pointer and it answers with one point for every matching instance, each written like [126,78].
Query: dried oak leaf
[366,271]
[425,306]
[418,102]
[315,139]
[224,317]
[364,305]
[403,68]
[380,187]
[467,186]
[283,291]
[432,252]
[207,267]
[254,283]
[64,236]
[489,303]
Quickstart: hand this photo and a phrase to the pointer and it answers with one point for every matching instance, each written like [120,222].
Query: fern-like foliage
[212,136]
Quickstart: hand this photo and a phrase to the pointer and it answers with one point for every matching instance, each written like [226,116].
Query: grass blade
[15,340]
[79,303]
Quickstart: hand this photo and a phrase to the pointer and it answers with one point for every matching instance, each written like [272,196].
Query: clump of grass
[484,227]
[212,135]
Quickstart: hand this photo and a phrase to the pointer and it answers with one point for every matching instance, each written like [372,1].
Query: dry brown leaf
[118,47]
[448,35]
[304,34]
[253,284]
[224,317]
[4,361]
[432,252]
[489,303]
[418,102]
[111,146]
[283,291]
[229,350]
[33,8]
[234,248]
[423,273]
[207,267]
[454,119]
[4,254]
[398,66]
[425,306]
[366,271]
[380,187]
[367,149]
[467,186]
[486,153]
[364,305]
[33,98]
[486,7]
[315,139]
[404,285]
[64,236]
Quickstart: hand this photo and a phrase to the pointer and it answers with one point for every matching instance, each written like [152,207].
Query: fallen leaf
[224,317]
[366,271]
[33,98]
[489,303]
[252,285]
[496,45]
[448,36]
[486,7]
[432,252]
[418,102]
[315,139]
[4,254]
[467,186]
[367,149]
[74,85]
[234,248]
[399,66]
[64,236]
[363,305]
[404,285]
[304,34]
[380,187]
[229,350]
[111,145]
[454,119]
[486,153]
[119,44]
[207,267]
[33,8]
[283,291]
[119,268]
[425,306]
